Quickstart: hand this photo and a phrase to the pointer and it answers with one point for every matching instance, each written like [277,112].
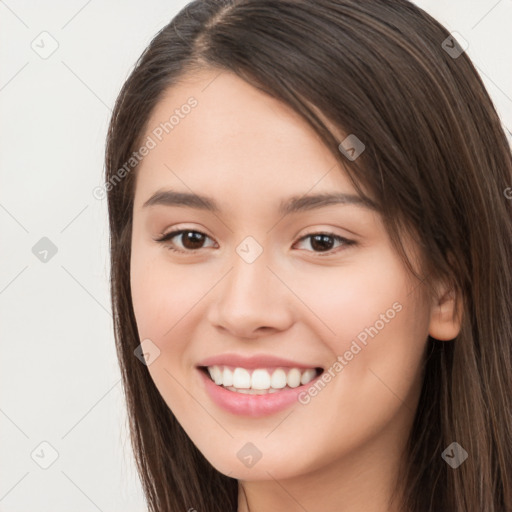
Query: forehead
[236,139]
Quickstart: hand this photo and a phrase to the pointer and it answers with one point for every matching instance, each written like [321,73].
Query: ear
[445,314]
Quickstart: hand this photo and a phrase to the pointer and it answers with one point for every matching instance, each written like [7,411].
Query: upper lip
[252,362]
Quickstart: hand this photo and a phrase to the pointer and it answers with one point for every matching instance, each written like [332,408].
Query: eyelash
[169,236]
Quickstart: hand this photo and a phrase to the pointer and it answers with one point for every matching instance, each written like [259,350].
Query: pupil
[193,240]
[322,242]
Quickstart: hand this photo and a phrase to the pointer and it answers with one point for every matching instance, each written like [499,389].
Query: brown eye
[325,242]
[322,242]
[190,240]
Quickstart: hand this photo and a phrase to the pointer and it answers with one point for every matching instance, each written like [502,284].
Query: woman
[310,250]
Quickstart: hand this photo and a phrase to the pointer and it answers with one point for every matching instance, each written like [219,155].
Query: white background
[59,378]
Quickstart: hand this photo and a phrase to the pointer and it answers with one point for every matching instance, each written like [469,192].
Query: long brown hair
[436,162]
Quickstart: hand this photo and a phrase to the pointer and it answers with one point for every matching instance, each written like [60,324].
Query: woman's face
[314,283]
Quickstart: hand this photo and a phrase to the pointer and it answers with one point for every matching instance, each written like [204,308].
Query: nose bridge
[248,281]
[251,297]
[250,275]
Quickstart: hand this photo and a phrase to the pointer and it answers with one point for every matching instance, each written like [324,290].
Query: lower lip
[252,405]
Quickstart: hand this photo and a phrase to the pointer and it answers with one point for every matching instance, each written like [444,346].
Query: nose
[251,301]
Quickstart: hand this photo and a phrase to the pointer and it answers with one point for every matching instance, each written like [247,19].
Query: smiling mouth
[260,381]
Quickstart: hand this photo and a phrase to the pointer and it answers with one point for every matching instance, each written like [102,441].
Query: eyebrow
[293,204]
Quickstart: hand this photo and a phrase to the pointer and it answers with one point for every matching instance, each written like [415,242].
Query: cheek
[163,300]
[375,324]
[349,298]
[162,294]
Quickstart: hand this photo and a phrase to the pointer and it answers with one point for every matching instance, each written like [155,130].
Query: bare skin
[248,152]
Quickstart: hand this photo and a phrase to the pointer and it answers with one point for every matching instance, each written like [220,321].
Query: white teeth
[293,378]
[241,378]
[260,381]
[307,376]
[278,380]
[227,377]
[215,374]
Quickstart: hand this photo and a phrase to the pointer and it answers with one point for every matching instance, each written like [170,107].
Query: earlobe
[446,315]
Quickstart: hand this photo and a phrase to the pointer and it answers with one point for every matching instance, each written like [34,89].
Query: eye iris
[322,242]
[194,238]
